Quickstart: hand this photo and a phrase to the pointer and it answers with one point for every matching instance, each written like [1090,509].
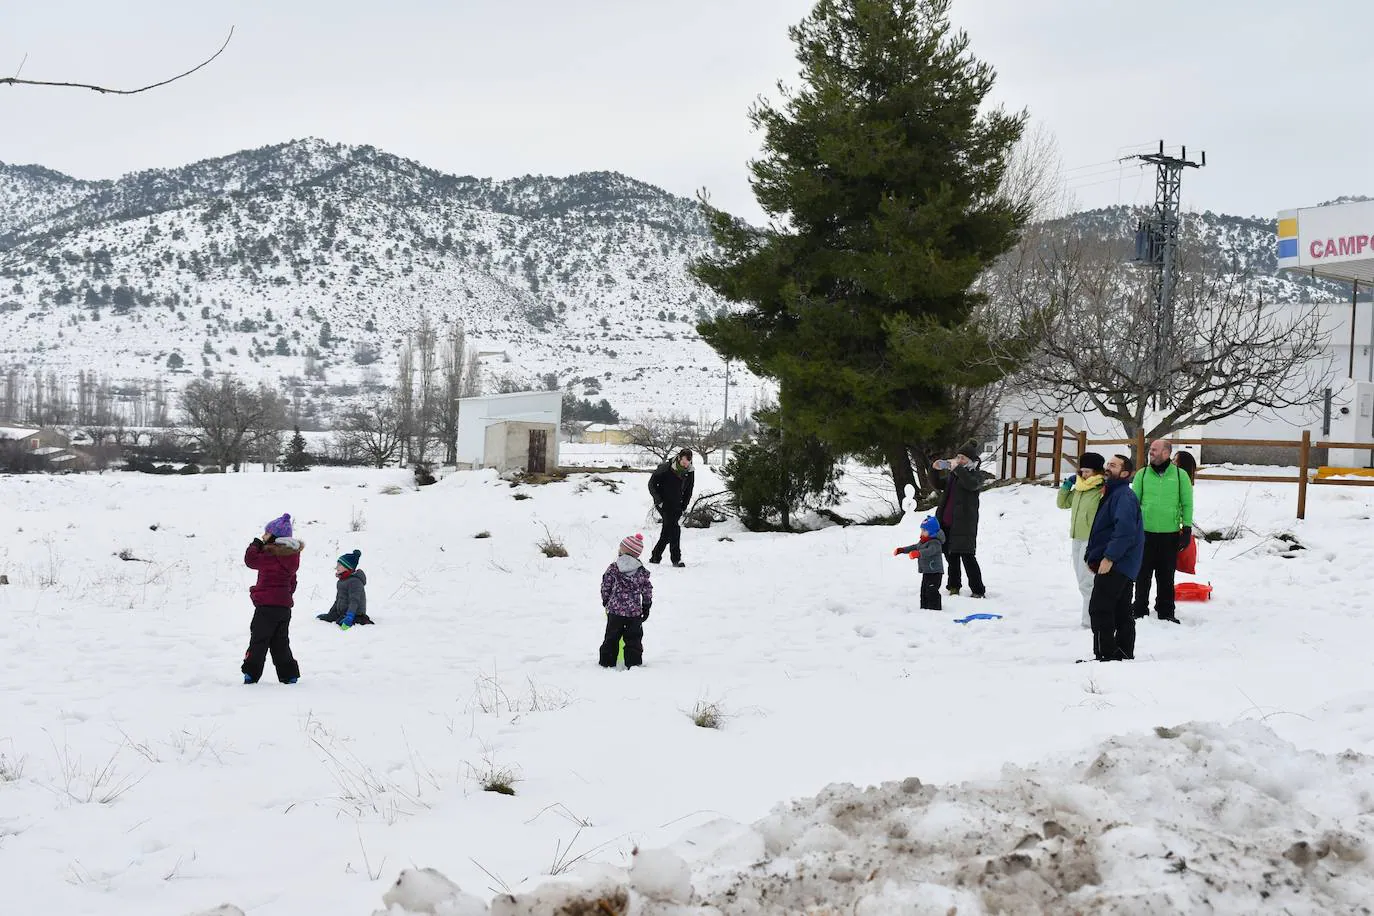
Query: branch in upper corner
[16,81]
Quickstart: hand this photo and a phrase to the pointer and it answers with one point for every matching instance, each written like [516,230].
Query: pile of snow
[1200,818]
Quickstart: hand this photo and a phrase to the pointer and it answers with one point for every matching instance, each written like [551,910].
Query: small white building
[510,432]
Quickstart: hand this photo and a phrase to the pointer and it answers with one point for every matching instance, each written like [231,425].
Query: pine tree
[883,180]
[296,457]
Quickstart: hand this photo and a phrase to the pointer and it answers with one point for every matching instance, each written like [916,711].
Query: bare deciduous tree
[660,435]
[230,421]
[427,407]
[704,438]
[460,379]
[1033,175]
[372,432]
[405,396]
[1101,348]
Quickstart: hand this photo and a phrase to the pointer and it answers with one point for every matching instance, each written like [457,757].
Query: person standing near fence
[1166,505]
[1081,495]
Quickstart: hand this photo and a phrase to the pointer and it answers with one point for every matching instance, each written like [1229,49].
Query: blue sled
[977,617]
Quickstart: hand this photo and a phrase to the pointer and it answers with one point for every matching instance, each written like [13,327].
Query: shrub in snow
[495,777]
[707,715]
[551,545]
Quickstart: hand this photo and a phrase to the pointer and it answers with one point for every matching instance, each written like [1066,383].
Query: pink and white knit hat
[633,545]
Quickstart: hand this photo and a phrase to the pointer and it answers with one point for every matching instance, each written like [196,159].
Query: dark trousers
[631,629]
[1109,609]
[975,573]
[930,591]
[670,537]
[1161,561]
[270,632]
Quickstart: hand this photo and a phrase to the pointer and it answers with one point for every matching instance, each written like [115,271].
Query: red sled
[1192,591]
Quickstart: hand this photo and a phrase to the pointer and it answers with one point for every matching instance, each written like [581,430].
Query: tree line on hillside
[413,423]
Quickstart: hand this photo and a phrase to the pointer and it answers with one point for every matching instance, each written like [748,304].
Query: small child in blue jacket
[928,553]
[350,597]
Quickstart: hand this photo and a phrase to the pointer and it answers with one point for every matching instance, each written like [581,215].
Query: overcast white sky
[659,89]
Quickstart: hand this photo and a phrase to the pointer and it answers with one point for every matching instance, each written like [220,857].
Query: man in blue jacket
[1116,547]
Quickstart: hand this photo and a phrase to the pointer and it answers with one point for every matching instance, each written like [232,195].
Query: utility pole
[1156,246]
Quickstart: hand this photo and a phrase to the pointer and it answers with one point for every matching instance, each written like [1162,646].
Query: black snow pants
[1109,609]
[270,632]
[631,629]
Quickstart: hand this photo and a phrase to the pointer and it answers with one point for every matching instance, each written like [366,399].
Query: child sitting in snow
[928,553]
[350,598]
[627,595]
[276,556]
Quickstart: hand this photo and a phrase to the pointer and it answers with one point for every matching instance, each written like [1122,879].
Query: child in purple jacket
[626,594]
[277,558]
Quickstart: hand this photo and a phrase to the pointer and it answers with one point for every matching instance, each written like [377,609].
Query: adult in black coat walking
[671,488]
[962,480]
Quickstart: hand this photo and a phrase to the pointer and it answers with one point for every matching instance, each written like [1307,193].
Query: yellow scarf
[1089,483]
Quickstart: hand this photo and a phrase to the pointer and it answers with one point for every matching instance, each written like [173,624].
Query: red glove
[915,555]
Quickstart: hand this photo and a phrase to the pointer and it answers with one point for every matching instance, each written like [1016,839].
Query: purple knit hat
[280,527]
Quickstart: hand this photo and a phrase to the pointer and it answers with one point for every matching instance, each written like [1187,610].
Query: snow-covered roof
[16,432]
[49,450]
[605,427]
[61,459]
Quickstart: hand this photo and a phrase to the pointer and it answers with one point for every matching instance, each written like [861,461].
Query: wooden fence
[1067,445]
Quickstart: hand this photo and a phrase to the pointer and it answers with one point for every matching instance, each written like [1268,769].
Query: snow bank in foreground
[1200,818]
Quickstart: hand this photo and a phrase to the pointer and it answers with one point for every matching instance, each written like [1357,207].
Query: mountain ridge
[305,263]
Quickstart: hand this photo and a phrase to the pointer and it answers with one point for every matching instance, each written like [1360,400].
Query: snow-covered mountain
[309,253]
[305,263]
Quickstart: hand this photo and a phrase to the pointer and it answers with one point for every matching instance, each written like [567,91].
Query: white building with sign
[1336,242]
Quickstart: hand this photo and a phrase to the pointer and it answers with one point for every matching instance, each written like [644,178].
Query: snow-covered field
[139,776]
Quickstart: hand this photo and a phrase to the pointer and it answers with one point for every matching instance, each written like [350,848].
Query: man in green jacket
[1081,495]
[1166,505]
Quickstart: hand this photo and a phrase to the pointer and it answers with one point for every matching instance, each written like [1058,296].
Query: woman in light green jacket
[1081,495]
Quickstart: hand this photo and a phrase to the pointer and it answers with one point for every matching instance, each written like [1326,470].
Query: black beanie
[1093,462]
[350,559]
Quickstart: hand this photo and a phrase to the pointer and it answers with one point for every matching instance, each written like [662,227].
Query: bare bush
[11,769]
[551,545]
[492,776]
[706,714]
